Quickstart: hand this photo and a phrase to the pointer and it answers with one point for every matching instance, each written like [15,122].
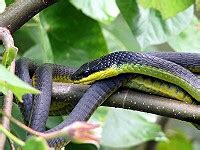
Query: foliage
[148,26]
[124,121]
[18,87]
[34,143]
[74,32]
[177,141]
[167,8]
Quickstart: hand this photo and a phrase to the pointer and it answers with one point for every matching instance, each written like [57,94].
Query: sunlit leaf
[177,140]
[147,25]
[188,40]
[167,8]
[118,36]
[128,128]
[9,81]
[102,10]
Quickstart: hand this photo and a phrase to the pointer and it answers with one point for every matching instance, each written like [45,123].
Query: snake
[150,72]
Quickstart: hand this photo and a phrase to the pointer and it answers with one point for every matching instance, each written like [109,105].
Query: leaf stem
[11,136]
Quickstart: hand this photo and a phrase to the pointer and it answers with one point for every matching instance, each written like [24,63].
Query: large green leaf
[74,37]
[61,34]
[38,33]
[167,8]
[147,25]
[123,128]
[188,40]
[177,140]
[101,10]
[34,36]
[119,36]
[9,81]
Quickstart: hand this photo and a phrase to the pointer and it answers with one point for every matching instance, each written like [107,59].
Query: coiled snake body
[166,74]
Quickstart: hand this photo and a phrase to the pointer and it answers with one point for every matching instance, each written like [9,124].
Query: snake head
[95,70]
[87,69]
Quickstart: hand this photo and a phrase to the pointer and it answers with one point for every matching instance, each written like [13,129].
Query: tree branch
[18,13]
[130,99]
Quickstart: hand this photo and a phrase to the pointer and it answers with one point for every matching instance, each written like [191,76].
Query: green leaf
[53,121]
[8,2]
[38,32]
[147,25]
[119,36]
[33,36]
[102,10]
[197,2]
[188,39]
[9,81]
[73,37]
[2,6]
[167,8]
[177,140]
[16,130]
[128,129]
[31,53]
[8,56]
[36,143]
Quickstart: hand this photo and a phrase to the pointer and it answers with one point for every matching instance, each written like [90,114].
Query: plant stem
[7,108]
[8,42]
[11,136]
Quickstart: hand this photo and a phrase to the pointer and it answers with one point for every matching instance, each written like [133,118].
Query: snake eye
[87,72]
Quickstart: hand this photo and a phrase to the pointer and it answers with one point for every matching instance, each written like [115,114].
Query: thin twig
[6,38]
[11,136]
[8,42]
[7,108]
[75,131]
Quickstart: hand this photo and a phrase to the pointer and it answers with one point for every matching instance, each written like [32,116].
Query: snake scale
[167,74]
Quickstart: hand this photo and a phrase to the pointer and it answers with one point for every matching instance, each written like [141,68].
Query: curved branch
[18,13]
[134,100]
